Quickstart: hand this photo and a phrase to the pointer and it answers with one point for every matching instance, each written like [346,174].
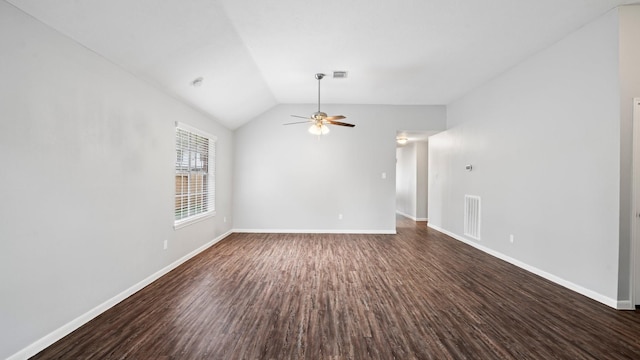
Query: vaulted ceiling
[254,54]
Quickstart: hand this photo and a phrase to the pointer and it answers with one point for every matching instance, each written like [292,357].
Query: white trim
[315,231]
[74,324]
[406,215]
[411,217]
[558,280]
[625,305]
[211,177]
[634,251]
[193,219]
[194,130]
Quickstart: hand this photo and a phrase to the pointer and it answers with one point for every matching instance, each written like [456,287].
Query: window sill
[192,220]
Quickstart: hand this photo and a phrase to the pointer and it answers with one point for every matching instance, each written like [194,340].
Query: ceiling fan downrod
[319,76]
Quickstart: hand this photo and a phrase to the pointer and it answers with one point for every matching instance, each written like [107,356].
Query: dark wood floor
[415,295]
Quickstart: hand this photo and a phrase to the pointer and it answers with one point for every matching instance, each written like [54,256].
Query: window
[195,175]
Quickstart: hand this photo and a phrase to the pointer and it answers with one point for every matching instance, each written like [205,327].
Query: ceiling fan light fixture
[319,129]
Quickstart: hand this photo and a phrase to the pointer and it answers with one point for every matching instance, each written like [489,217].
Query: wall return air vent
[472,216]
[339,74]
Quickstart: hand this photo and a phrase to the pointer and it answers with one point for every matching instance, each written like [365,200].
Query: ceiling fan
[320,120]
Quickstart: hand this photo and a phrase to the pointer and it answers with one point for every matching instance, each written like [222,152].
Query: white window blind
[195,174]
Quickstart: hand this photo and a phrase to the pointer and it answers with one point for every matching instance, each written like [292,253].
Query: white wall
[406,177]
[630,88]
[544,142]
[287,179]
[87,183]
[422,180]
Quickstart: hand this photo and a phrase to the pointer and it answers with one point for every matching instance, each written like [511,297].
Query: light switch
[384,175]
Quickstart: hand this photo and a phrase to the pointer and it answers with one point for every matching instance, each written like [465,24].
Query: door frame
[635,208]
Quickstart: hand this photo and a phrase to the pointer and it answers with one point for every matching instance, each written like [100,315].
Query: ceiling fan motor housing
[319,115]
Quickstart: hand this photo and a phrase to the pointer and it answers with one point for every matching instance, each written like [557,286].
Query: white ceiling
[254,54]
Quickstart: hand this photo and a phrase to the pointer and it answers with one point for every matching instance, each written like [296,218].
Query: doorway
[412,174]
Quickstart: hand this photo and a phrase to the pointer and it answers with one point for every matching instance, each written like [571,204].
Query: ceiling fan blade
[301,117]
[299,122]
[336,117]
[339,123]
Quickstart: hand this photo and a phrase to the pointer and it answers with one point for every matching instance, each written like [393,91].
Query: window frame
[211,174]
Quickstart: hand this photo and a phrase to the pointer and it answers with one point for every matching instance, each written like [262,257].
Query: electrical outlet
[339,216]
[511,238]
[384,175]
[166,244]
[224,219]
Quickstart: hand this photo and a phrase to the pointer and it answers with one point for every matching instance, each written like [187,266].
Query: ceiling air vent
[339,74]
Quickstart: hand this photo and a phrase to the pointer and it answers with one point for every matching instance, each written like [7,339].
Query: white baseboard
[74,324]
[411,217]
[625,305]
[406,215]
[560,281]
[313,231]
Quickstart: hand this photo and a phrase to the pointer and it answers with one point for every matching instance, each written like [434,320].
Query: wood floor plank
[415,295]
